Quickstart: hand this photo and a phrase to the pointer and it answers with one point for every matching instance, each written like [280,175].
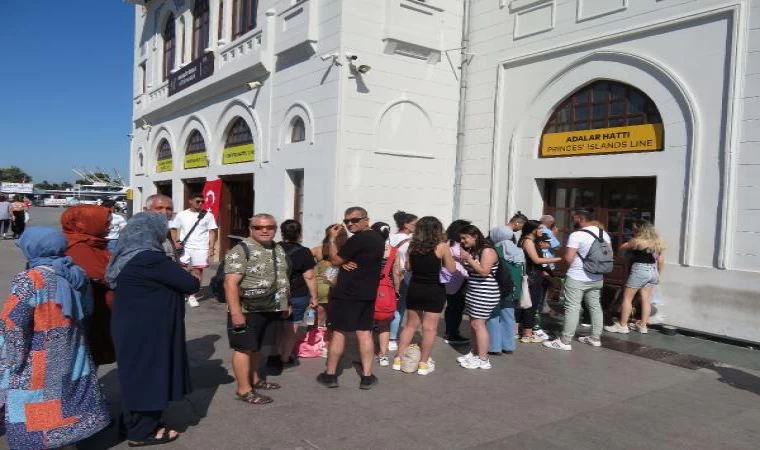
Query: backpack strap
[599,238]
[386,273]
[402,243]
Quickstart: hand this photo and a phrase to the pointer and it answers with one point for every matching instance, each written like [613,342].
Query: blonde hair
[646,238]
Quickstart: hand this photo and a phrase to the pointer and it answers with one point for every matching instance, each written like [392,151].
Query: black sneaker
[327,380]
[367,382]
[290,363]
[456,340]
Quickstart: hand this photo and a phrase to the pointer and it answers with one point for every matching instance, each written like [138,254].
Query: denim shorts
[299,308]
[642,275]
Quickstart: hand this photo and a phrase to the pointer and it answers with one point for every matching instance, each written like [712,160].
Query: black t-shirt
[301,260]
[366,249]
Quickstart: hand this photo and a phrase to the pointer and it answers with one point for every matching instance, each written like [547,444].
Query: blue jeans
[501,330]
[401,308]
[112,245]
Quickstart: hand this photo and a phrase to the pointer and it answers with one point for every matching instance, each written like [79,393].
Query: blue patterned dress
[48,382]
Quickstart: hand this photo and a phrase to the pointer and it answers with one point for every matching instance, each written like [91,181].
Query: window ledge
[404,154]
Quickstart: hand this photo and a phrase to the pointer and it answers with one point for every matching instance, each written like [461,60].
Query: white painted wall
[690,58]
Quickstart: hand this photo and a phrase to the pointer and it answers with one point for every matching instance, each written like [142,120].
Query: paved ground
[536,398]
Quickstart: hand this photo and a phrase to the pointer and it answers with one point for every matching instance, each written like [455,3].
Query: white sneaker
[383,360]
[192,301]
[590,341]
[426,368]
[468,356]
[641,329]
[392,346]
[477,363]
[617,328]
[557,344]
[541,334]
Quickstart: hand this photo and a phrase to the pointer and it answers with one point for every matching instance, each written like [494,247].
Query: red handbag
[386,300]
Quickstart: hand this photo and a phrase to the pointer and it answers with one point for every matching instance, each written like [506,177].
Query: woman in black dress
[428,253]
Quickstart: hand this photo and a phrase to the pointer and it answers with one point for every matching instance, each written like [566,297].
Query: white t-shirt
[185,220]
[396,239]
[117,224]
[582,241]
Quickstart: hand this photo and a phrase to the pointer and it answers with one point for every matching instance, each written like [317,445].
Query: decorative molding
[581,15]
[524,15]
[519,5]
[302,110]
[404,154]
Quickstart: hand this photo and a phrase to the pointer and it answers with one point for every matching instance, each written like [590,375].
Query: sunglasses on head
[354,221]
[264,227]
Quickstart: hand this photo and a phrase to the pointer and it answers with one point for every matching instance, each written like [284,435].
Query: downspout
[463,63]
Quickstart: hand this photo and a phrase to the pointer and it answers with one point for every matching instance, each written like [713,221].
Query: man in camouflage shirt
[258,295]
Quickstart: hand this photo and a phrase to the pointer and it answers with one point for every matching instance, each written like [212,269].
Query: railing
[238,49]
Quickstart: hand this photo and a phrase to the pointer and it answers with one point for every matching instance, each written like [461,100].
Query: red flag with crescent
[212,192]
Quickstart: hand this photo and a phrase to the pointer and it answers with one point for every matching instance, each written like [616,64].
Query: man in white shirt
[581,285]
[199,245]
[117,224]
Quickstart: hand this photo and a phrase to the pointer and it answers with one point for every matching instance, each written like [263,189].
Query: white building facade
[635,108]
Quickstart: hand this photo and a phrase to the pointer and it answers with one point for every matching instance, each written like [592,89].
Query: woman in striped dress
[482,294]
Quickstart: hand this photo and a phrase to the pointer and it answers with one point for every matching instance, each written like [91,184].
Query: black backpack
[217,281]
[503,275]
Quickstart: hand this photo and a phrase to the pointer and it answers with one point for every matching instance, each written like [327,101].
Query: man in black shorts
[352,300]
[258,293]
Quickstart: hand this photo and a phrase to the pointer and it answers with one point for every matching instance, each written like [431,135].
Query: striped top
[482,294]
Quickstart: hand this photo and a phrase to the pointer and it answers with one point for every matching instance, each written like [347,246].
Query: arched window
[238,146]
[243,16]
[164,163]
[297,130]
[195,154]
[200,27]
[169,47]
[603,104]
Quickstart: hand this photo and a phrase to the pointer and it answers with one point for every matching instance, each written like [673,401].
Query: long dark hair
[453,230]
[529,227]
[339,241]
[427,235]
[481,243]
[402,218]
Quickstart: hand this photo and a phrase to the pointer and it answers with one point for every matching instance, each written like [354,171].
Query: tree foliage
[14,174]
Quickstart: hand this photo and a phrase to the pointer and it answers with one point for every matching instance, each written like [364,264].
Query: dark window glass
[603,104]
[220,27]
[239,134]
[243,16]
[164,150]
[200,27]
[169,46]
[196,144]
[297,130]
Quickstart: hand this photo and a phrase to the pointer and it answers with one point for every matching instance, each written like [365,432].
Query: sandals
[533,339]
[265,386]
[253,398]
[153,440]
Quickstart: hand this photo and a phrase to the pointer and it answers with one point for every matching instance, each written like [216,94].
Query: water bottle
[310,316]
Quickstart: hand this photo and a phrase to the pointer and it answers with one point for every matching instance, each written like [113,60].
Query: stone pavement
[536,398]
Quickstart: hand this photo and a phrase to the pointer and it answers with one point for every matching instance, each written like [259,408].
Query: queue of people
[125,302]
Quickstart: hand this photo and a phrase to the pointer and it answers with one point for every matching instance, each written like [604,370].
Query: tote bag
[525,302]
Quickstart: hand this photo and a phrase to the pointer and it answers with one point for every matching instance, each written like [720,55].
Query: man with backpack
[590,256]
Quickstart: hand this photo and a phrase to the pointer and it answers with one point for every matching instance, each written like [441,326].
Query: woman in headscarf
[85,228]
[501,324]
[148,328]
[49,386]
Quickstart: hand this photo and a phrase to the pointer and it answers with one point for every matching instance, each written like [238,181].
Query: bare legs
[413,320]
[627,306]
[245,364]
[429,331]
[383,335]
[480,343]
[335,351]
[288,339]
[366,350]
[338,344]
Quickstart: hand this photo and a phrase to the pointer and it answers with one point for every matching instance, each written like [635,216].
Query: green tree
[14,174]
[66,185]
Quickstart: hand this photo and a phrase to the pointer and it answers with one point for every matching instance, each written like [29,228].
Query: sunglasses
[354,221]
[198,201]
[264,227]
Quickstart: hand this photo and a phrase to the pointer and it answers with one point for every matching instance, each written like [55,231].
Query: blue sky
[67,81]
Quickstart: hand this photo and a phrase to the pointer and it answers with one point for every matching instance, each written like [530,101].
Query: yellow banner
[164,165]
[634,138]
[238,154]
[195,160]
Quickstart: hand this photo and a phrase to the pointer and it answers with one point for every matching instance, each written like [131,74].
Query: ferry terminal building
[636,109]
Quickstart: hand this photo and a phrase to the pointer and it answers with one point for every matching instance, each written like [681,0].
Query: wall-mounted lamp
[253,85]
[146,126]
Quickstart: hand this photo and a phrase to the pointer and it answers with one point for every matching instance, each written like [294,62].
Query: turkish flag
[212,192]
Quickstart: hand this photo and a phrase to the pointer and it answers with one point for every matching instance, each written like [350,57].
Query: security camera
[328,56]
[350,56]
[253,85]
[363,68]
[145,125]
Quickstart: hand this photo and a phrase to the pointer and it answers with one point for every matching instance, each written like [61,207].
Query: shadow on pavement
[206,375]
[738,379]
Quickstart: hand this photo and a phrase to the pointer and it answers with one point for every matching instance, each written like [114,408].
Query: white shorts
[198,259]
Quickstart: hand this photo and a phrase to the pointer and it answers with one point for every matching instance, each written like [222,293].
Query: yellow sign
[195,160]
[129,194]
[164,165]
[634,138]
[238,154]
